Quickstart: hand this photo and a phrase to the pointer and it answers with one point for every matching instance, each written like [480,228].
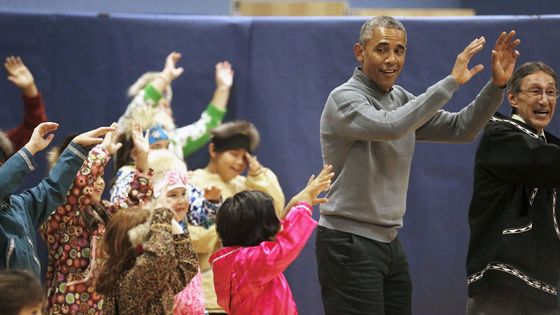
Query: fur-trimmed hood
[6,146]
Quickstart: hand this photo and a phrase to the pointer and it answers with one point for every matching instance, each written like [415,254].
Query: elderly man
[514,250]
[368,131]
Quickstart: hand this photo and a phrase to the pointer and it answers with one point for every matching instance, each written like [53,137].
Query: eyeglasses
[539,92]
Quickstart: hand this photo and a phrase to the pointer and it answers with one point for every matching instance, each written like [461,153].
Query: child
[258,247]
[22,214]
[201,204]
[230,155]
[148,260]
[171,183]
[21,293]
[151,103]
[72,232]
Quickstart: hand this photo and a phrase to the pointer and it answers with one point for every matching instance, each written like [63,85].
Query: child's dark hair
[19,289]
[247,219]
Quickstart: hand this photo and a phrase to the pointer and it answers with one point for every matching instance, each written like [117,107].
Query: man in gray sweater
[369,127]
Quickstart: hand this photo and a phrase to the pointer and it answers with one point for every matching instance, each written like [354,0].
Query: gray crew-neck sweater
[368,136]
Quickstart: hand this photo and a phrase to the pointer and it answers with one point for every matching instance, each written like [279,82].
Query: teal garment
[22,214]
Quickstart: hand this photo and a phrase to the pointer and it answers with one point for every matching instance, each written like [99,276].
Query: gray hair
[526,69]
[381,21]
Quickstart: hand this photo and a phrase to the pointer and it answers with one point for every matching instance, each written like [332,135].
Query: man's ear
[512,99]
[359,52]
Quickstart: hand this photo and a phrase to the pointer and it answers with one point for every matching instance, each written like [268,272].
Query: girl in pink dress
[259,246]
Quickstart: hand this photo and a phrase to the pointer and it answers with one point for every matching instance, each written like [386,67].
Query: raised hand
[224,75]
[141,144]
[316,185]
[255,168]
[212,193]
[41,137]
[170,71]
[140,140]
[310,194]
[504,57]
[20,76]
[93,137]
[110,140]
[461,72]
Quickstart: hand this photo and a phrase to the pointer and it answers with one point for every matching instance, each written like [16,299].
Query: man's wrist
[498,85]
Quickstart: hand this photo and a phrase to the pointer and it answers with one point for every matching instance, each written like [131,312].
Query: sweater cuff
[28,158]
[152,93]
[214,111]
[32,101]
[501,89]
[306,206]
[77,150]
[450,84]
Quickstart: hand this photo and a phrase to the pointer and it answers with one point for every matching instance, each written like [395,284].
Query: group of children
[167,241]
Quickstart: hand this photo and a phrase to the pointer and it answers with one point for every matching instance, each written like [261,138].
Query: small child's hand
[170,71]
[20,76]
[317,185]
[109,141]
[141,141]
[41,137]
[212,193]
[92,137]
[224,75]
[141,146]
[255,167]
[310,194]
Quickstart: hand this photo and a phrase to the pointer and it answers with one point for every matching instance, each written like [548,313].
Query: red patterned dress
[73,232]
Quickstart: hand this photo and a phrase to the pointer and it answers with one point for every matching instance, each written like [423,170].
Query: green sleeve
[214,117]
[150,93]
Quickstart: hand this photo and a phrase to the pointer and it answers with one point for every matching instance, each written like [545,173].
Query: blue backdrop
[284,70]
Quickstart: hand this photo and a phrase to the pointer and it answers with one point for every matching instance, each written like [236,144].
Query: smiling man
[369,127]
[514,255]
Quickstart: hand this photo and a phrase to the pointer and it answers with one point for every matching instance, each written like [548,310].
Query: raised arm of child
[34,108]
[24,212]
[266,261]
[51,191]
[311,192]
[133,186]
[169,73]
[194,136]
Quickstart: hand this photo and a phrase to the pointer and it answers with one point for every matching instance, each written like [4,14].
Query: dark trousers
[362,276]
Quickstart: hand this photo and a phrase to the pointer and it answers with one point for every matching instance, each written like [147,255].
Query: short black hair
[381,21]
[19,289]
[247,219]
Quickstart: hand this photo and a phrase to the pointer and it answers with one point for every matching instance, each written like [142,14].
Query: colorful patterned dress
[73,232]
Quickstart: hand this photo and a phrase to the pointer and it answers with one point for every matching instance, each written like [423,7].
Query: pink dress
[249,280]
[190,301]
